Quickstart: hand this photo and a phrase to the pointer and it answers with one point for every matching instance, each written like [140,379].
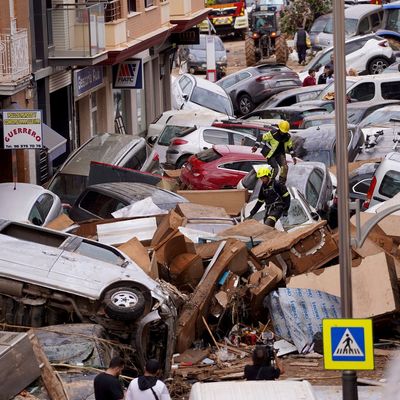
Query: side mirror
[151,140]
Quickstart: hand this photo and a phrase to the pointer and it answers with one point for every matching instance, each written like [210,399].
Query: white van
[368,88]
[386,182]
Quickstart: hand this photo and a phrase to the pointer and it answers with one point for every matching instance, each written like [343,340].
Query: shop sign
[22,129]
[87,79]
[190,36]
[128,75]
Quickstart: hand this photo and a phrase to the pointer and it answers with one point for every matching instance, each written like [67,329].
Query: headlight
[192,57]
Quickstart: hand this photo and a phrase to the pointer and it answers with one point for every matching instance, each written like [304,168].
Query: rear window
[100,204]
[208,155]
[211,100]
[391,90]
[168,133]
[266,69]
[390,184]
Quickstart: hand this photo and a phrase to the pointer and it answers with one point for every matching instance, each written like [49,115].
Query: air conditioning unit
[18,364]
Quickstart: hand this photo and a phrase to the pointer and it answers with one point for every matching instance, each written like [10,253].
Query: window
[362,186]
[137,160]
[229,81]
[148,3]
[41,209]
[289,101]
[390,184]
[363,92]
[168,133]
[208,155]
[313,187]
[186,85]
[131,6]
[243,75]
[100,253]
[211,100]
[216,137]
[364,26]
[100,204]
[240,140]
[375,20]
[245,166]
[391,90]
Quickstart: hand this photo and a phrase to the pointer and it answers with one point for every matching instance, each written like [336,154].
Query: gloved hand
[254,149]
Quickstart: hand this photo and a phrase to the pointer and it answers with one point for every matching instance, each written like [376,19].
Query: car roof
[206,84]
[195,117]
[295,108]
[366,105]
[225,149]
[315,138]
[242,123]
[358,10]
[299,173]
[18,198]
[131,192]
[103,147]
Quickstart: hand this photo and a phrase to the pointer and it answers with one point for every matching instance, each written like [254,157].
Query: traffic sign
[348,344]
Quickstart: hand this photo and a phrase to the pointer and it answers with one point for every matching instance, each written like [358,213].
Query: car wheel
[245,104]
[124,303]
[182,161]
[377,65]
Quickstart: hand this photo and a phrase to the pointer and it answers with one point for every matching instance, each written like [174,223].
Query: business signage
[22,129]
[87,79]
[190,36]
[128,75]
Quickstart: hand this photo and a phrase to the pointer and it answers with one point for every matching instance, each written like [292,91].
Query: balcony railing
[14,56]
[76,30]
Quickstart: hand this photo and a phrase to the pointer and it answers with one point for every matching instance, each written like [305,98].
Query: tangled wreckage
[192,287]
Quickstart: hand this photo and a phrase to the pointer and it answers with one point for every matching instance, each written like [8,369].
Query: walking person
[300,42]
[275,196]
[276,143]
[148,386]
[107,385]
[310,80]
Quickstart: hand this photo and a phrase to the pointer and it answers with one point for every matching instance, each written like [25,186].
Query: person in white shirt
[148,386]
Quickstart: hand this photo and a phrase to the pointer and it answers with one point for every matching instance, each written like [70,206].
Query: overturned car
[48,277]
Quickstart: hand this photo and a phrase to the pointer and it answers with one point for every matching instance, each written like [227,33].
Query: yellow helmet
[284,126]
[264,171]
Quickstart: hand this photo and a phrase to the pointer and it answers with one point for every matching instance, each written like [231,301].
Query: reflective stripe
[271,217]
[286,194]
[261,201]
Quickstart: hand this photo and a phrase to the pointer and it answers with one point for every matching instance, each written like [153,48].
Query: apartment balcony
[187,13]
[76,34]
[15,68]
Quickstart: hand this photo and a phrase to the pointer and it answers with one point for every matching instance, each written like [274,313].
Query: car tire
[245,104]
[281,50]
[182,161]
[124,303]
[250,51]
[377,65]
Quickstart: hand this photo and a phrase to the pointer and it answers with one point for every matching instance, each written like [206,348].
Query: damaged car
[63,278]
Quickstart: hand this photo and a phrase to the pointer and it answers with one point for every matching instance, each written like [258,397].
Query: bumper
[202,66]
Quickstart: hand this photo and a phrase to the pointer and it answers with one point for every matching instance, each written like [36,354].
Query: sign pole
[14,165]
[349,378]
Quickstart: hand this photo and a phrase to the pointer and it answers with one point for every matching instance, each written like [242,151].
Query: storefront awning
[55,143]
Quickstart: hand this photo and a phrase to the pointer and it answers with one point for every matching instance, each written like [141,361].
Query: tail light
[296,124]
[255,35]
[179,142]
[273,34]
[241,10]
[156,157]
[370,192]
[263,78]
[384,43]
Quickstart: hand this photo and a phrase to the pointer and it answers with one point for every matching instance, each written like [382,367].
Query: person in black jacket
[262,368]
[275,196]
[107,385]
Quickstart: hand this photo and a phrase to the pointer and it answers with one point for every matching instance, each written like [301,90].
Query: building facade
[90,66]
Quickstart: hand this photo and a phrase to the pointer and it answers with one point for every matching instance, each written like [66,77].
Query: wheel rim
[378,66]
[245,105]
[124,299]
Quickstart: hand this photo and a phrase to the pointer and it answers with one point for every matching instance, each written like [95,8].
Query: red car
[221,167]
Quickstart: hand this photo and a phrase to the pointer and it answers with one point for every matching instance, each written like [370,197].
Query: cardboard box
[374,283]
[232,200]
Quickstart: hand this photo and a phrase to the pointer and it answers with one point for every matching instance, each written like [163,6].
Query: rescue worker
[276,143]
[275,196]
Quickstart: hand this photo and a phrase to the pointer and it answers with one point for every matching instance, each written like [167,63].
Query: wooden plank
[51,380]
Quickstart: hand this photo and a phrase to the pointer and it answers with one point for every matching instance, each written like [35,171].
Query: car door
[239,139]
[213,136]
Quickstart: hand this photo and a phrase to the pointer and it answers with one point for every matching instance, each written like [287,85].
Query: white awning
[54,142]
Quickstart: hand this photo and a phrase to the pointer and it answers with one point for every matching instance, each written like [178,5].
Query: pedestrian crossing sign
[348,344]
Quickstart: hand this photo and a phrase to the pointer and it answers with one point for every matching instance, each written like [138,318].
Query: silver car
[191,141]
[60,278]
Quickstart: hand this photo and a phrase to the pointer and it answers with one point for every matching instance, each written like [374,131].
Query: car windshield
[296,215]
[350,26]
[380,116]
[202,45]
[68,187]
[318,25]
[393,19]
[323,156]
[211,100]
[168,133]
[330,89]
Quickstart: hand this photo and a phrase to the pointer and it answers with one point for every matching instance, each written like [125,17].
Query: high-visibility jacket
[271,141]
